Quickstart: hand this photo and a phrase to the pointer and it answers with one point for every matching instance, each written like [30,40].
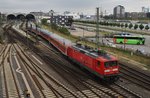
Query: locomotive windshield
[110,64]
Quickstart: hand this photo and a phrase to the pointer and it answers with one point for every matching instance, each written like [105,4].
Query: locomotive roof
[55,36]
[92,52]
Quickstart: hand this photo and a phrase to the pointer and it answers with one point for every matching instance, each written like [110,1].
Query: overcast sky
[85,6]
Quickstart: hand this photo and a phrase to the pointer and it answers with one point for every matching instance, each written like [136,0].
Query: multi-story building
[39,14]
[145,10]
[148,15]
[119,12]
[62,20]
[53,17]
[135,15]
[2,16]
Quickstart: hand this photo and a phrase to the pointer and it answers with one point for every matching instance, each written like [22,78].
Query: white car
[125,34]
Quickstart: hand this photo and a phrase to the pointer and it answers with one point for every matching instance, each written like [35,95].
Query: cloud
[85,6]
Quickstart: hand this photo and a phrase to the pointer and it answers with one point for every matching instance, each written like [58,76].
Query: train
[96,61]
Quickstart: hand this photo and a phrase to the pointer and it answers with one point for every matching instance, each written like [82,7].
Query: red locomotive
[98,62]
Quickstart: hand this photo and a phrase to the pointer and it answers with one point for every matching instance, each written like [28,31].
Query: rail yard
[33,67]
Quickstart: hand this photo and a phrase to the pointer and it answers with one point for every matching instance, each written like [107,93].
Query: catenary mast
[97,27]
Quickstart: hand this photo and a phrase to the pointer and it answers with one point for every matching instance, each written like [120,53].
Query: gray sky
[85,6]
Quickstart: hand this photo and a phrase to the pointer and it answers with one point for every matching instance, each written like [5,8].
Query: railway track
[9,85]
[82,89]
[56,88]
[64,91]
[86,92]
[2,75]
[113,91]
[134,75]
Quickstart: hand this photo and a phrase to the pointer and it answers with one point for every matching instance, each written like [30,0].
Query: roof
[92,52]
[129,36]
[55,36]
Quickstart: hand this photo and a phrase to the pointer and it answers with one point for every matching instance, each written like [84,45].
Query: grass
[70,37]
[119,53]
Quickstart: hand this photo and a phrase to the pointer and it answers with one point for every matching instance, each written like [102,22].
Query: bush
[130,25]
[135,26]
[122,25]
[118,24]
[126,25]
[60,29]
[63,30]
[54,26]
[146,27]
[141,26]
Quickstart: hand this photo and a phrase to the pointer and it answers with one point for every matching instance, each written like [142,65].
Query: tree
[122,25]
[135,26]
[130,25]
[146,27]
[118,24]
[100,23]
[141,26]
[70,21]
[126,25]
[110,24]
[103,23]
[44,21]
[114,24]
[107,24]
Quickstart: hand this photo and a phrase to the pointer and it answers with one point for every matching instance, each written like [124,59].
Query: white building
[74,15]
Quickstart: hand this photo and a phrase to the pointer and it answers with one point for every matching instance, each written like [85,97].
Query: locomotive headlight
[115,69]
[107,70]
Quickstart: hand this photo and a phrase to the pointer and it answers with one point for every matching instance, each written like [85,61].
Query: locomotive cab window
[98,63]
[111,64]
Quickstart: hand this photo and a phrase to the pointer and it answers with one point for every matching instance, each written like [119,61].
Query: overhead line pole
[97,27]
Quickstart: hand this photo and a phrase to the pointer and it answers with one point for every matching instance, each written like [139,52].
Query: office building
[62,20]
[119,12]
[145,10]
